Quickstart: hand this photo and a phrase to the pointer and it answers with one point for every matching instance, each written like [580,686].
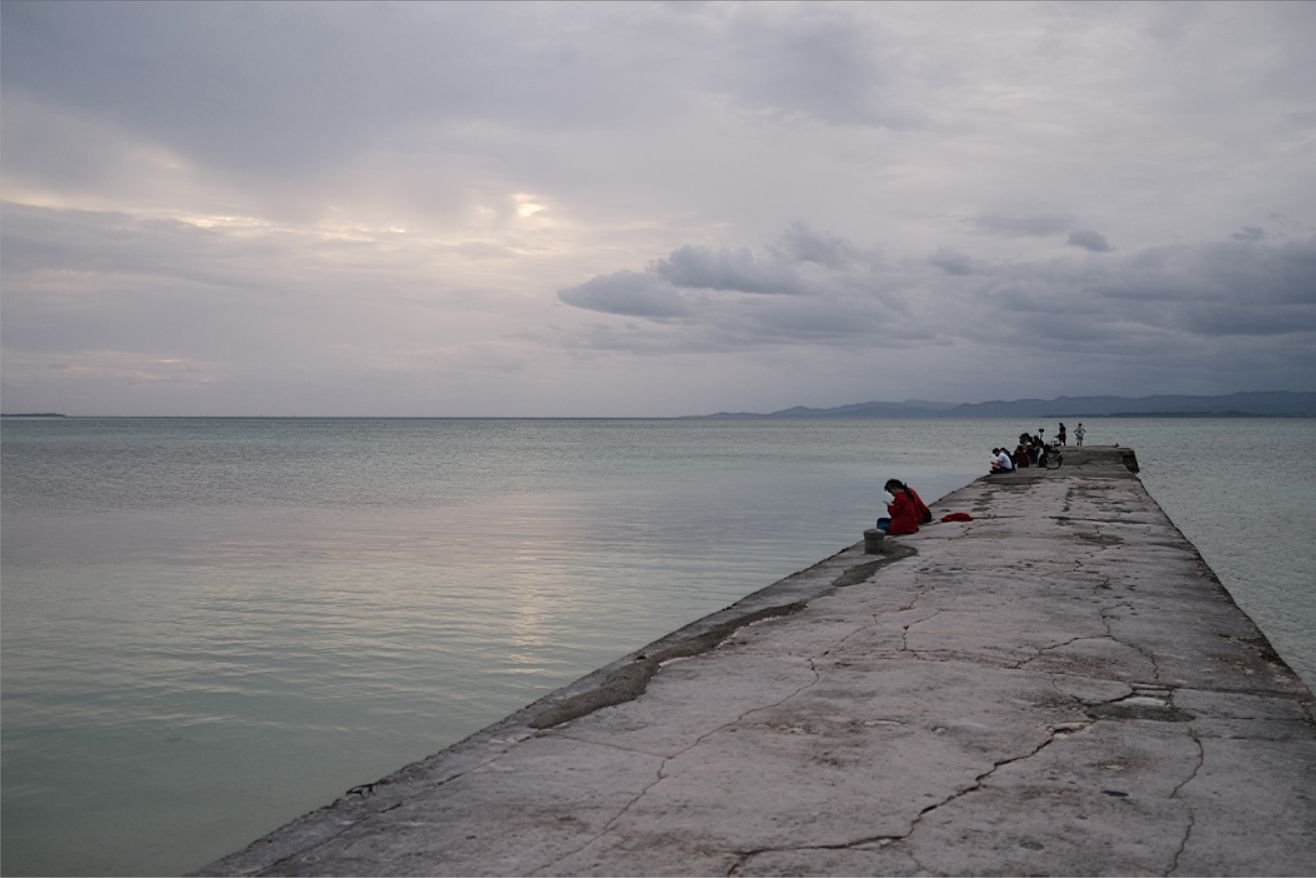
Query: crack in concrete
[979,781]
[607,828]
[1192,817]
[846,639]
[609,744]
[904,632]
[1042,650]
[1145,653]
[743,857]
[1106,621]
[1059,731]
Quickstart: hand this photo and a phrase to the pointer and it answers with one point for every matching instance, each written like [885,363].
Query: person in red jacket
[902,509]
[924,513]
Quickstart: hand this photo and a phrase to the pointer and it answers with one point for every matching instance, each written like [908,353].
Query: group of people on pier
[907,511]
[1031,450]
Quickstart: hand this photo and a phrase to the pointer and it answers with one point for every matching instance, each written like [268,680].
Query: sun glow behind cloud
[527,205]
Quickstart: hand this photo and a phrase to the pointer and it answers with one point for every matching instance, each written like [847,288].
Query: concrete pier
[1060,686]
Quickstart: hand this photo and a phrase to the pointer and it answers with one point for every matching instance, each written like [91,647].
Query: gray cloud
[951,261]
[811,288]
[798,263]
[628,293]
[1155,301]
[1020,226]
[1089,240]
[830,62]
[799,243]
[1043,226]
[736,270]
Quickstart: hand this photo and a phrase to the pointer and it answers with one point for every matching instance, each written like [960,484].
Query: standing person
[1062,432]
[1079,433]
[903,512]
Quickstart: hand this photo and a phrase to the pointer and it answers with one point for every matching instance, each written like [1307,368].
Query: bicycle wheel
[1054,460]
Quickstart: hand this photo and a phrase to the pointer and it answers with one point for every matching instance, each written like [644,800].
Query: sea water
[210,626]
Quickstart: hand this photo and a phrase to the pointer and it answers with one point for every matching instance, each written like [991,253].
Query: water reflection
[193,610]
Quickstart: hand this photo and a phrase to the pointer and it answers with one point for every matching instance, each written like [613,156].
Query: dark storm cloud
[1089,240]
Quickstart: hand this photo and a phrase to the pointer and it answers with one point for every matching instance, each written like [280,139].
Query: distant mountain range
[1269,404]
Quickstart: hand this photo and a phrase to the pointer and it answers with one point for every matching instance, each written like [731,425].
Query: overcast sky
[651,208]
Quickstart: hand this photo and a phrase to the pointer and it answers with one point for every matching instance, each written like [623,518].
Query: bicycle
[1051,458]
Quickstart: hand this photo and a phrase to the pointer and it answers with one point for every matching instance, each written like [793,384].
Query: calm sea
[210,626]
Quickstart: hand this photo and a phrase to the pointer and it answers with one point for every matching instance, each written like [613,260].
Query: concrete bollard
[873,541]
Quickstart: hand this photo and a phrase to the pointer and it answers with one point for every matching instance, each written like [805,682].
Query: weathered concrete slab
[1060,686]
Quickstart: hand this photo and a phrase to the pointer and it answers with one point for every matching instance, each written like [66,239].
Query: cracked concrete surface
[1060,686]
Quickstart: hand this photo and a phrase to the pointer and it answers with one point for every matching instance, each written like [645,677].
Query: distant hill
[911,408]
[1278,403]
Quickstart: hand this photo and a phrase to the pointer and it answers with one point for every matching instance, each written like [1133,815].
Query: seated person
[924,513]
[904,513]
[1001,462]
[1020,457]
